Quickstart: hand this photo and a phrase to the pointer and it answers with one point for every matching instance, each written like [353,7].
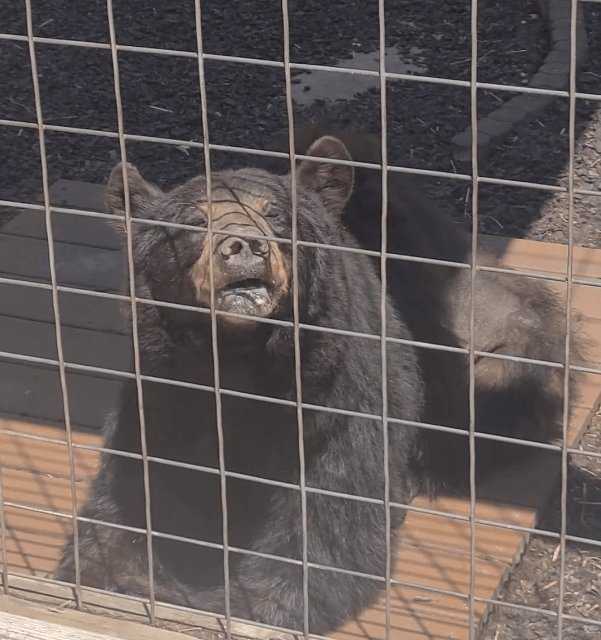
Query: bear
[515,316]
[352,462]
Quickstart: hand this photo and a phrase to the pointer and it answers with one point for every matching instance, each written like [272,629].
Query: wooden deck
[434,551]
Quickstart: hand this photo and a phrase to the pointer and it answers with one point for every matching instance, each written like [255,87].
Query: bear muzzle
[250,272]
[242,257]
[244,280]
[246,283]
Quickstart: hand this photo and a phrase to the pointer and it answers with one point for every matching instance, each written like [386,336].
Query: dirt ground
[535,580]
[247,107]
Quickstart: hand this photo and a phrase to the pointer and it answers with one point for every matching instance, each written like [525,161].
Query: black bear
[343,443]
[514,315]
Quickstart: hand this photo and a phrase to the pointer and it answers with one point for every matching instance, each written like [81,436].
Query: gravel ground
[247,107]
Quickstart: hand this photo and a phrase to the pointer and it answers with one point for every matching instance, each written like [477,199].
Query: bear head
[248,254]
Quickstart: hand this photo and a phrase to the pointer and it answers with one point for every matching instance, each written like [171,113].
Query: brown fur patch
[119,559]
[491,373]
[244,210]
[260,606]
[114,555]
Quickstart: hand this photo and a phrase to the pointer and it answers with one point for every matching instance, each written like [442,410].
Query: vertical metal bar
[54,284]
[383,306]
[472,346]
[296,316]
[566,380]
[134,311]
[214,343]
[3,536]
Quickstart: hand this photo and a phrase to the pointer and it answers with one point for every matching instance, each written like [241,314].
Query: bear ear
[141,195]
[333,182]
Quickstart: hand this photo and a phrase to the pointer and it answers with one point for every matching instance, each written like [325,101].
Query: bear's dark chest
[260,439]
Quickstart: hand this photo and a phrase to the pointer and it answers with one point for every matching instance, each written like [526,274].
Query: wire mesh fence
[383,422]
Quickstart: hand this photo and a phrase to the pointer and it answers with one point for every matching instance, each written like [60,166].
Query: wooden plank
[34,540]
[544,257]
[35,304]
[76,265]
[20,628]
[80,346]
[54,597]
[36,474]
[590,384]
[70,228]
[49,455]
[587,299]
[33,392]
[79,195]
[76,310]
[22,621]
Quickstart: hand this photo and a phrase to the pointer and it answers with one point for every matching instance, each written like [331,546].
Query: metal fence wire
[64,366]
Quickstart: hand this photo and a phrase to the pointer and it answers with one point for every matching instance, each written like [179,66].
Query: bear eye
[271,212]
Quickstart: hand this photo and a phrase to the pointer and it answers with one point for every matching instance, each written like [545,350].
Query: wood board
[434,551]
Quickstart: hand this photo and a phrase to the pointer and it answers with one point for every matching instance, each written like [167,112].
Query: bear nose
[243,250]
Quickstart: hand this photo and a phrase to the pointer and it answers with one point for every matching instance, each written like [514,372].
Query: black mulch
[247,103]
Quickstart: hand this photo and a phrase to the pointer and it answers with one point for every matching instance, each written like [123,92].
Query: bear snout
[242,258]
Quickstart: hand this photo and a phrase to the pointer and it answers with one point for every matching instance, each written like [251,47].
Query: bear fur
[514,315]
[343,452]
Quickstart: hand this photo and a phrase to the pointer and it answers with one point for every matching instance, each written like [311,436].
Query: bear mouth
[251,296]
